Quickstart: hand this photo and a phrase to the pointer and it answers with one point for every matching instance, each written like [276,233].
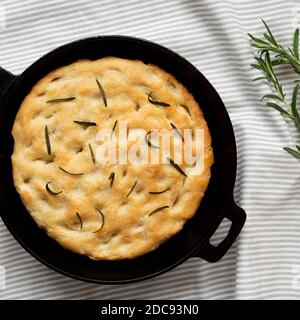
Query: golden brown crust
[128,230]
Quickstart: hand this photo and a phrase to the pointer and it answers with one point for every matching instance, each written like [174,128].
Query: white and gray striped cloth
[265,261]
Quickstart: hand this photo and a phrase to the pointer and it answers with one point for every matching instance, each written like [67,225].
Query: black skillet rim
[230,132]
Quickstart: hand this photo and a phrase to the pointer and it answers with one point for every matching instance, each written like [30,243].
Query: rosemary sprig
[102,220]
[53,193]
[152,100]
[47,139]
[149,142]
[113,128]
[157,210]
[61,100]
[175,128]
[269,54]
[176,166]
[85,123]
[102,92]
[283,55]
[111,178]
[132,188]
[92,153]
[186,109]
[71,173]
[80,220]
[159,192]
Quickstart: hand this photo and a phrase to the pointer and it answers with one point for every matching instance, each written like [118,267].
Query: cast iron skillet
[193,240]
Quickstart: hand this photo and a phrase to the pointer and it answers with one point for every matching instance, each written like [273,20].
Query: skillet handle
[6,78]
[237,216]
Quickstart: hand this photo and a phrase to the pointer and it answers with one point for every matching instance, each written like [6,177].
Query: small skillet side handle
[6,78]
[237,216]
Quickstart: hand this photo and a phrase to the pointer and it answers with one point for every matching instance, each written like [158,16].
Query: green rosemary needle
[80,220]
[59,100]
[269,54]
[85,123]
[102,92]
[111,178]
[176,166]
[71,173]
[102,220]
[157,210]
[149,142]
[152,100]
[92,154]
[47,139]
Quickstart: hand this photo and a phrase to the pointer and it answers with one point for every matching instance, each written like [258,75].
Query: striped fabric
[265,261]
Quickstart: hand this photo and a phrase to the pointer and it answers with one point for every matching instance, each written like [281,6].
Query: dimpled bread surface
[105,211]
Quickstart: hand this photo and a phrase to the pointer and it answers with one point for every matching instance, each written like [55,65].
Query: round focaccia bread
[106,211]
